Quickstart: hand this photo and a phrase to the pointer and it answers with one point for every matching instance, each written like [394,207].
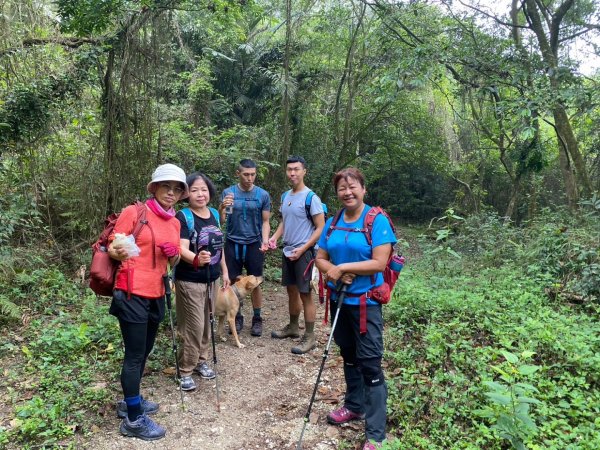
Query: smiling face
[350,192]
[199,194]
[167,193]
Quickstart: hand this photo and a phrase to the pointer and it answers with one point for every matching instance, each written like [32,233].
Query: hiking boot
[343,415]
[187,383]
[307,343]
[204,371]
[144,428]
[148,407]
[372,445]
[256,329]
[239,322]
[286,332]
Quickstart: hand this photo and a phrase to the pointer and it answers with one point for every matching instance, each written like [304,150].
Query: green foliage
[448,220]
[449,385]
[86,17]
[510,400]
[66,360]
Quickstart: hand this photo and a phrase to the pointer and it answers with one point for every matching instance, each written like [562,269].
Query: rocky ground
[264,395]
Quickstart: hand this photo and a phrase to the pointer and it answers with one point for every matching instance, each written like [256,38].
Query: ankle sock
[294,320]
[134,407]
[256,312]
[309,327]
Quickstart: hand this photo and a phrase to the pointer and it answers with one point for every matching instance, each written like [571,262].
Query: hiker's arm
[125,225]
[278,233]
[184,250]
[376,264]
[331,271]
[226,200]
[266,229]
[322,261]
[188,256]
[118,253]
[319,221]
[224,273]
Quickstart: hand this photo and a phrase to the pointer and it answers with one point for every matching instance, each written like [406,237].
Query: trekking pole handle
[342,292]
[167,283]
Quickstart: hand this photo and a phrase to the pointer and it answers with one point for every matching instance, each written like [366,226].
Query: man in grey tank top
[301,226]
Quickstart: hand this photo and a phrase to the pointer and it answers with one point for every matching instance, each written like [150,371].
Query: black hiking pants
[366,392]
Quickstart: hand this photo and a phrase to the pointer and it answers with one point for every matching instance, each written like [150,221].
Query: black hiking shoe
[256,329]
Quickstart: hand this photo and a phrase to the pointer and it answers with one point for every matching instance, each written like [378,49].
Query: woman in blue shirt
[345,255]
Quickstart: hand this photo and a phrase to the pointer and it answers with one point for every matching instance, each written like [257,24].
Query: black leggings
[139,341]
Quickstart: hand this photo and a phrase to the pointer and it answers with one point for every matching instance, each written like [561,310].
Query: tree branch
[65,42]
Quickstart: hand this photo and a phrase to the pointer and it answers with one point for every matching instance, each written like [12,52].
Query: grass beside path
[481,358]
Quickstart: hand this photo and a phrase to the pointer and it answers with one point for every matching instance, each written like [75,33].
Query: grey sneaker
[187,383]
[286,332]
[148,407]
[256,329]
[204,371]
[307,343]
[144,428]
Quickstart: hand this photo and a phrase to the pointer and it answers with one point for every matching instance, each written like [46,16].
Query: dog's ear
[253,282]
[238,278]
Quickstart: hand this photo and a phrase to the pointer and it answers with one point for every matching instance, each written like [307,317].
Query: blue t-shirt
[351,246]
[244,226]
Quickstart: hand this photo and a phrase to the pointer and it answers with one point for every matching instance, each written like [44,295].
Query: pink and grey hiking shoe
[343,415]
[372,445]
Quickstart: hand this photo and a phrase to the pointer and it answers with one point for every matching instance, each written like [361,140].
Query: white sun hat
[169,172]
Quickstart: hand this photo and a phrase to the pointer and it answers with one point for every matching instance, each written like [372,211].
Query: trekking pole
[342,294]
[212,333]
[167,283]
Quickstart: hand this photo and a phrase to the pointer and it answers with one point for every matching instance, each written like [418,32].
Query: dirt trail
[264,393]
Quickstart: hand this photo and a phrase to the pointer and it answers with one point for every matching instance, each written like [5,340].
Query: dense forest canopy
[439,102]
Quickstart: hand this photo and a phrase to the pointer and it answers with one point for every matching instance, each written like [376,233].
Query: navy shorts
[296,273]
[240,256]
[137,309]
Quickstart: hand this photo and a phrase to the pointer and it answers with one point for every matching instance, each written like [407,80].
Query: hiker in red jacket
[347,254]
[139,294]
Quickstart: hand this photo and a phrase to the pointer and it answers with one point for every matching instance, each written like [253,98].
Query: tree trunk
[515,190]
[566,137]
[569,178]
[285,148]
[108,103]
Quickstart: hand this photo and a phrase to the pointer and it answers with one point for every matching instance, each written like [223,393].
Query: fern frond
[8,309]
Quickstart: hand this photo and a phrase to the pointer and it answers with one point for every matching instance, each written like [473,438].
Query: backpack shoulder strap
[141,219]
[308,202]
[370,220]
[189,219]
[215,213]
[284,195]
[334,222]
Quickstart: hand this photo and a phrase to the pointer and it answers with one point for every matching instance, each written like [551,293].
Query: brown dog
[228,303]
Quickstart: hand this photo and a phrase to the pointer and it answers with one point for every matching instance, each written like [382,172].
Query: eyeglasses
[168,187]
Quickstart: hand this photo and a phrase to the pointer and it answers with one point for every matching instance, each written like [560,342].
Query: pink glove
[169,250]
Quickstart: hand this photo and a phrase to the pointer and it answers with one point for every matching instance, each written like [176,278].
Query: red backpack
[382,293]
[103,268]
